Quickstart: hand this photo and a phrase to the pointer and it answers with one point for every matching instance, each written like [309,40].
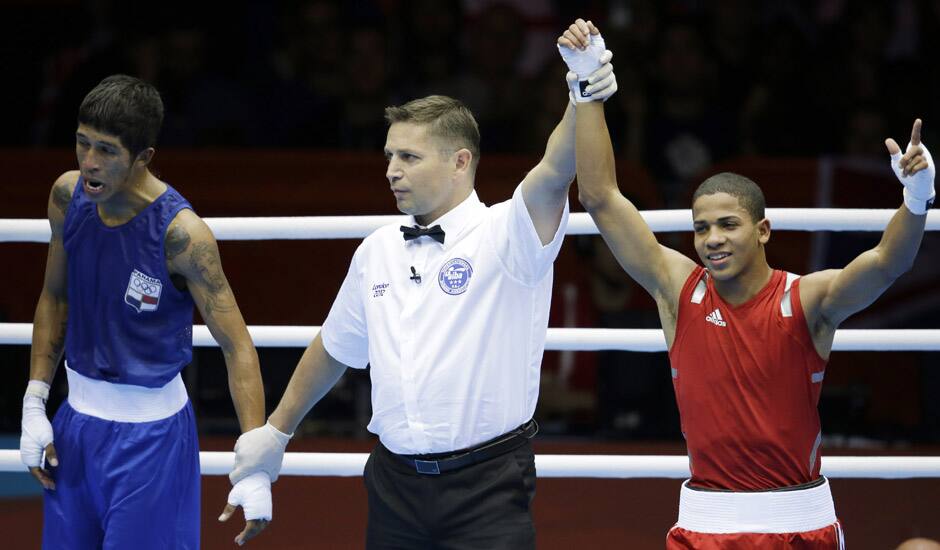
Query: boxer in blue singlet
[128,260]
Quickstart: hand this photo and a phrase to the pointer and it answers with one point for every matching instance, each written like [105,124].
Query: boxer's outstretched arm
[660,270]
[545,187]
[829,297]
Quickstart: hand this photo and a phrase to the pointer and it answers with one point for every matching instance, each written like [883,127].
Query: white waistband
[759,512]
[125,402]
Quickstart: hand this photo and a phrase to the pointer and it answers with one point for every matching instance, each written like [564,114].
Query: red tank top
[747,382]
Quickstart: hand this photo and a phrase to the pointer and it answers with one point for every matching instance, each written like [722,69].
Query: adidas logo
[715,318]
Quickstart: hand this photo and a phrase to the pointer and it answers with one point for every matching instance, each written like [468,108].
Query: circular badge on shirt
[455,276]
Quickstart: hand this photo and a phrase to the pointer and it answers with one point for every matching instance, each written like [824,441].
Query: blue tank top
[127,323]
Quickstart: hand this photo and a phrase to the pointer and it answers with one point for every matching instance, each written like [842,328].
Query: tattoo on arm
[177,240]
[57,344]
[204,260]
[61,197]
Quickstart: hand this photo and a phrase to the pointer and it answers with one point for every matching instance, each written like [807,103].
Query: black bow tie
[410,233]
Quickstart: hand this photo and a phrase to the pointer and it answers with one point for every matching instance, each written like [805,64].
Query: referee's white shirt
[455,358]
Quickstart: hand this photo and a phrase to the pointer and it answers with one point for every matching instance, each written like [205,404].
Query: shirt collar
[459,218]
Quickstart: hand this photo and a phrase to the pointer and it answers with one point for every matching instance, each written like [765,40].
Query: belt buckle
[429,467]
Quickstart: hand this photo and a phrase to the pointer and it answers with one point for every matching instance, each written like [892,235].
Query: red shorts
[826,538]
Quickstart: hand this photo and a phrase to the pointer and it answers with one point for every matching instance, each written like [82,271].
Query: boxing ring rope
[653,340]
[583,339]
[557,339]
[566,466]
[580,223]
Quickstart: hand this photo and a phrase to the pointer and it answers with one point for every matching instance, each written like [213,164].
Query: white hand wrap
[583,63]
[253,494]
[602,83]
[37,431]
[259,450]
[919,190]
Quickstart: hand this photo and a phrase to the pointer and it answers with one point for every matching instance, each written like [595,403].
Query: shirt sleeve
[519,245]
[344,332]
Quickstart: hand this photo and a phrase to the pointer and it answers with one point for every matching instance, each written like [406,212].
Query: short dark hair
[445,117]
[745,190]
[126,107]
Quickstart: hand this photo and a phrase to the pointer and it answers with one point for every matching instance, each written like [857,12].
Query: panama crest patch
[143,292]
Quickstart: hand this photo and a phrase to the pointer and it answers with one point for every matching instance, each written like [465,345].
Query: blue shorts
[123,485]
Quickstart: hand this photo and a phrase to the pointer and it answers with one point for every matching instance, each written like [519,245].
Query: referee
[450,311]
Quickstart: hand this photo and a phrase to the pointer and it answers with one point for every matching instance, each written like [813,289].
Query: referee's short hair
[446,118]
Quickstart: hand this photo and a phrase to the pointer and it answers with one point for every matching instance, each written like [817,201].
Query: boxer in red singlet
[748,344]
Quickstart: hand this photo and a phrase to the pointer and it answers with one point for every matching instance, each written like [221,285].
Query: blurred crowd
[699,80]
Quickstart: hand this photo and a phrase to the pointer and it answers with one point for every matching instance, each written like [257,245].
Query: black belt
[434,464]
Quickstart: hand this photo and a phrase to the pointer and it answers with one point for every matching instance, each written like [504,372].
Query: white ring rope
[580,223]
[557,339]
[567,466]
[650,340]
